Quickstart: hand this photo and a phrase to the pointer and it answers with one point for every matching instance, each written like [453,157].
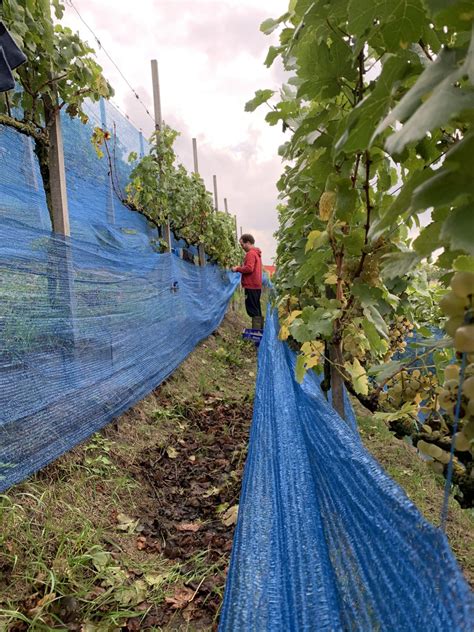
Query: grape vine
[376,207]
[161,191]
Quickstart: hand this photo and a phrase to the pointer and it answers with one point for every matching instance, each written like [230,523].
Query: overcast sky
[210,55]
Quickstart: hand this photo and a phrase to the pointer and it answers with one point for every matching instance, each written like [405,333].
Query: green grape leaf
[402,206]
[444,65]
[377,343]
[373,315]
[458,229]
[398,264]
[261,96]
[464,263]
[428,240]
[270,25]
[363,120]
[449,182]
[300,331]
[445,103]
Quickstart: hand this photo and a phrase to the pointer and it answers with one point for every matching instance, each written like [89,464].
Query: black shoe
[14,56]
[6,78]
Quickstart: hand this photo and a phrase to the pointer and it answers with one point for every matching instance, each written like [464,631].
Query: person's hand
[234,268]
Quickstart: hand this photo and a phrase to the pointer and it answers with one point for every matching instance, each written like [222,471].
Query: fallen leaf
[154,580]
[181,597]
[125,523]
[141,543]
[132,595]
[44,601]
[189,526]
[212,492]
[100,559]
[171,452]
[192,458]
[230,516]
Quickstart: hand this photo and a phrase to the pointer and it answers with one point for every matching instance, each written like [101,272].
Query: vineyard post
[165,229]
[216,199]
[201,251]
[227,211]
[60,264]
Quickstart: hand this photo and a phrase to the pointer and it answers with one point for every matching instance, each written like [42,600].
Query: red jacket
[251,270]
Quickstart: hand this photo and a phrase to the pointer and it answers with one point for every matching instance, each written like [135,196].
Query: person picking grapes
[251,271]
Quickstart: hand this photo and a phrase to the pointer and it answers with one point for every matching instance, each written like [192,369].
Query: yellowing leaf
[171,452]
[358,376]
[125,523]
[330,279]
[326,205]
[294,314]
[312,353]
[284,333]
[316,238]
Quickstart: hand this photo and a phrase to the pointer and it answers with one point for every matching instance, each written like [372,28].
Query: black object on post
[10,58]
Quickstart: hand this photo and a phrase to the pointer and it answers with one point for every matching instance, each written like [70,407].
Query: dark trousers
[252,302]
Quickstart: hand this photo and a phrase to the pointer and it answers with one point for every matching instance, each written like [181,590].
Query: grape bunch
[355,343]
[398,334]
[371,271]
[409,386]
[448,396]
[458,306]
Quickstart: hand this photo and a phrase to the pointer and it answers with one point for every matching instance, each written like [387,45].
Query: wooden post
[58,180]
[165,229]
[60,261]
[201,251]
[141,143]
[225,206]
[216,199]
[195,156]
[241,232]
[236,231]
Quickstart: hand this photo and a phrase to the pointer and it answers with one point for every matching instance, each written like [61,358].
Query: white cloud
[210,56]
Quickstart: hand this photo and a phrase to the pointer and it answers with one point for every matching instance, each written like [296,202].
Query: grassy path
[133,529]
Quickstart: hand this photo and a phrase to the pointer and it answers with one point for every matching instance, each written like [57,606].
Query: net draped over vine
[88,325]
[325,539]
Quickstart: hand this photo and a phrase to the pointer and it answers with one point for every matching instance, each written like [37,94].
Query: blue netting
[326,540]
[88,325]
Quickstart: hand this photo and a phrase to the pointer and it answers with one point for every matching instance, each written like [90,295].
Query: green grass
[68,536]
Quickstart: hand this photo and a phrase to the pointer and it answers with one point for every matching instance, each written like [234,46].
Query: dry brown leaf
[230,516]
[189,526]
[181,598]
[141,543]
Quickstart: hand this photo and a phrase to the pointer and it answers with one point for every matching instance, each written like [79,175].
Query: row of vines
[376,241]
[60,74]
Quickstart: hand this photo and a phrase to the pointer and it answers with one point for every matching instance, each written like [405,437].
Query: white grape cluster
[458,306]
[408,386]
[398,335]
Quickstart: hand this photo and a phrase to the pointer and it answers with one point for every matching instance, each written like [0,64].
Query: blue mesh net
[91,324]
[326,540]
